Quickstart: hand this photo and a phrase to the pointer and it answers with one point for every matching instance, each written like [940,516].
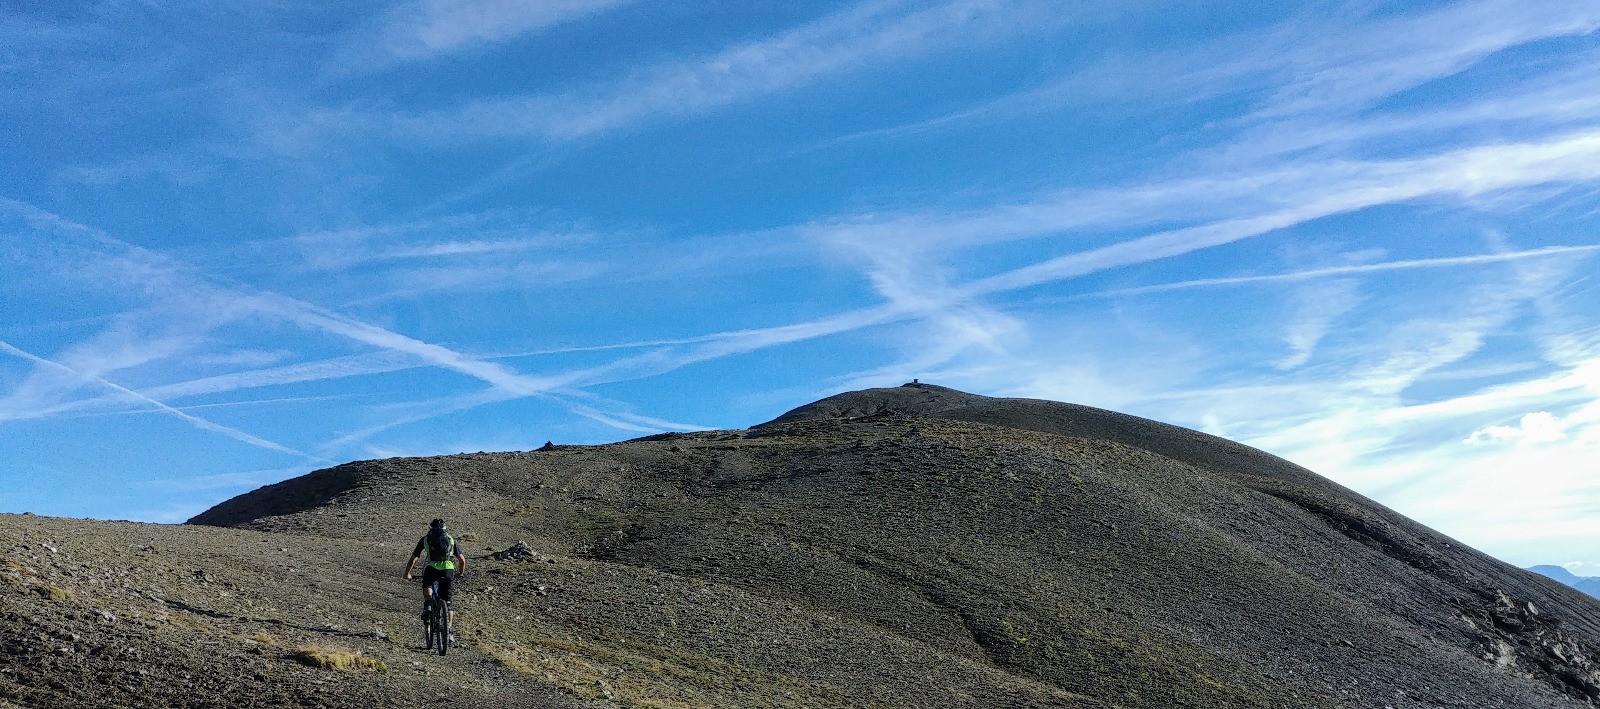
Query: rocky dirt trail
[136,615]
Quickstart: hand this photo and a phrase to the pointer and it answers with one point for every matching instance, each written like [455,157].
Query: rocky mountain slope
[905,547]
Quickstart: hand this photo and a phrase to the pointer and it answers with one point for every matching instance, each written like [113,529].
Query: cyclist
[446,563]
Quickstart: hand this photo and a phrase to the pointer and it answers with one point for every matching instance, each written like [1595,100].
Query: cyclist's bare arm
[461,565]
[410,566]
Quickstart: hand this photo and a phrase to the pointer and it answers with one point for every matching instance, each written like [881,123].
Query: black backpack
[439,545]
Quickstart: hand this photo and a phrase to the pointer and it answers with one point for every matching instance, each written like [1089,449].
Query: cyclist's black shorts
[446,579]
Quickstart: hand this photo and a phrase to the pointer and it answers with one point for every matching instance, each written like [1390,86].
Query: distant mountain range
[1587,584]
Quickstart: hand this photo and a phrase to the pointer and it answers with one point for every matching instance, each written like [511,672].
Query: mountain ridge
[1587,584]
[910,546]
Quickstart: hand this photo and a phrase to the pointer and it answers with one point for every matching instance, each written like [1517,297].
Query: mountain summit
[913,546]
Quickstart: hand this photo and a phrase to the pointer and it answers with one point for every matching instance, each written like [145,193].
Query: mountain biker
[446,563]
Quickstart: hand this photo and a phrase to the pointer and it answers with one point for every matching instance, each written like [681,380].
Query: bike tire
[427,624]
[443,631]
[430,624]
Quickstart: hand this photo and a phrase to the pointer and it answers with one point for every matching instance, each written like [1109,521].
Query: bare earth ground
[907,547]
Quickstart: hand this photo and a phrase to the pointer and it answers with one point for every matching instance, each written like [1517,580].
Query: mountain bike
[436,620]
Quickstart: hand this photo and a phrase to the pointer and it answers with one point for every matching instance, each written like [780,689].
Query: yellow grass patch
[652,678]
[54,593]
[337,659]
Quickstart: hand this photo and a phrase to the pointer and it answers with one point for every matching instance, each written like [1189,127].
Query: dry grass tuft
[469,537]
[337,659]
[265,639]
[54,593]
[650,678]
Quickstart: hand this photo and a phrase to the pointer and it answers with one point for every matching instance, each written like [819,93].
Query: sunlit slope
[919,546]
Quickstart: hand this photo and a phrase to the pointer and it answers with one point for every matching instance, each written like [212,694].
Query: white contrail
[196,421]
[1409,264]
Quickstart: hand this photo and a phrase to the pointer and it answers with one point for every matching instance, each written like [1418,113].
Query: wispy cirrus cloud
[1352,413]
[494,252]
[1313,194]
[491,234]
[430,28]
[397,352]
[1345,187]
[859,38]
[892,249]
[302,372]
[185,171]
[1357,269]
[626,421]
[1312,81]
[193,420]
[1350,67]
[161,275]
[1316,309]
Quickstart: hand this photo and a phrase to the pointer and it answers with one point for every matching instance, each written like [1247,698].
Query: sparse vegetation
[337,659]
[54,593]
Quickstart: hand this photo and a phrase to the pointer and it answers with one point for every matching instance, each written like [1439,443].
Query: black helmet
[436,524]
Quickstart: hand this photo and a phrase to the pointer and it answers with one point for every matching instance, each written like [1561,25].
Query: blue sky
[241,244]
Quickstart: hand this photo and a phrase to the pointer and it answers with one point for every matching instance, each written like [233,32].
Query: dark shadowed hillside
[905,547]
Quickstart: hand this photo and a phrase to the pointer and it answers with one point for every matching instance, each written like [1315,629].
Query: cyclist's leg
[429,576]
[447,583]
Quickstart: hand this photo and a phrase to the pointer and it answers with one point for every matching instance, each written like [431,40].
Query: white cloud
[433,27]
[414,412]
[1359,269]
[619,422]
[1582,568]
[167,280]
[1313,80]
[862,37]
[904,276]
[1337,189]
[1352,415]
[401,284]
[335,368]
[1316,308]
[1237,206]
[1537,427]
[1352,66]
[184,172]
[133,341]
[193,420]
[243,358]
[491,234]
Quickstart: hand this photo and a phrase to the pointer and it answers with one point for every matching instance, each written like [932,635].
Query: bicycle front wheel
[427,624]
